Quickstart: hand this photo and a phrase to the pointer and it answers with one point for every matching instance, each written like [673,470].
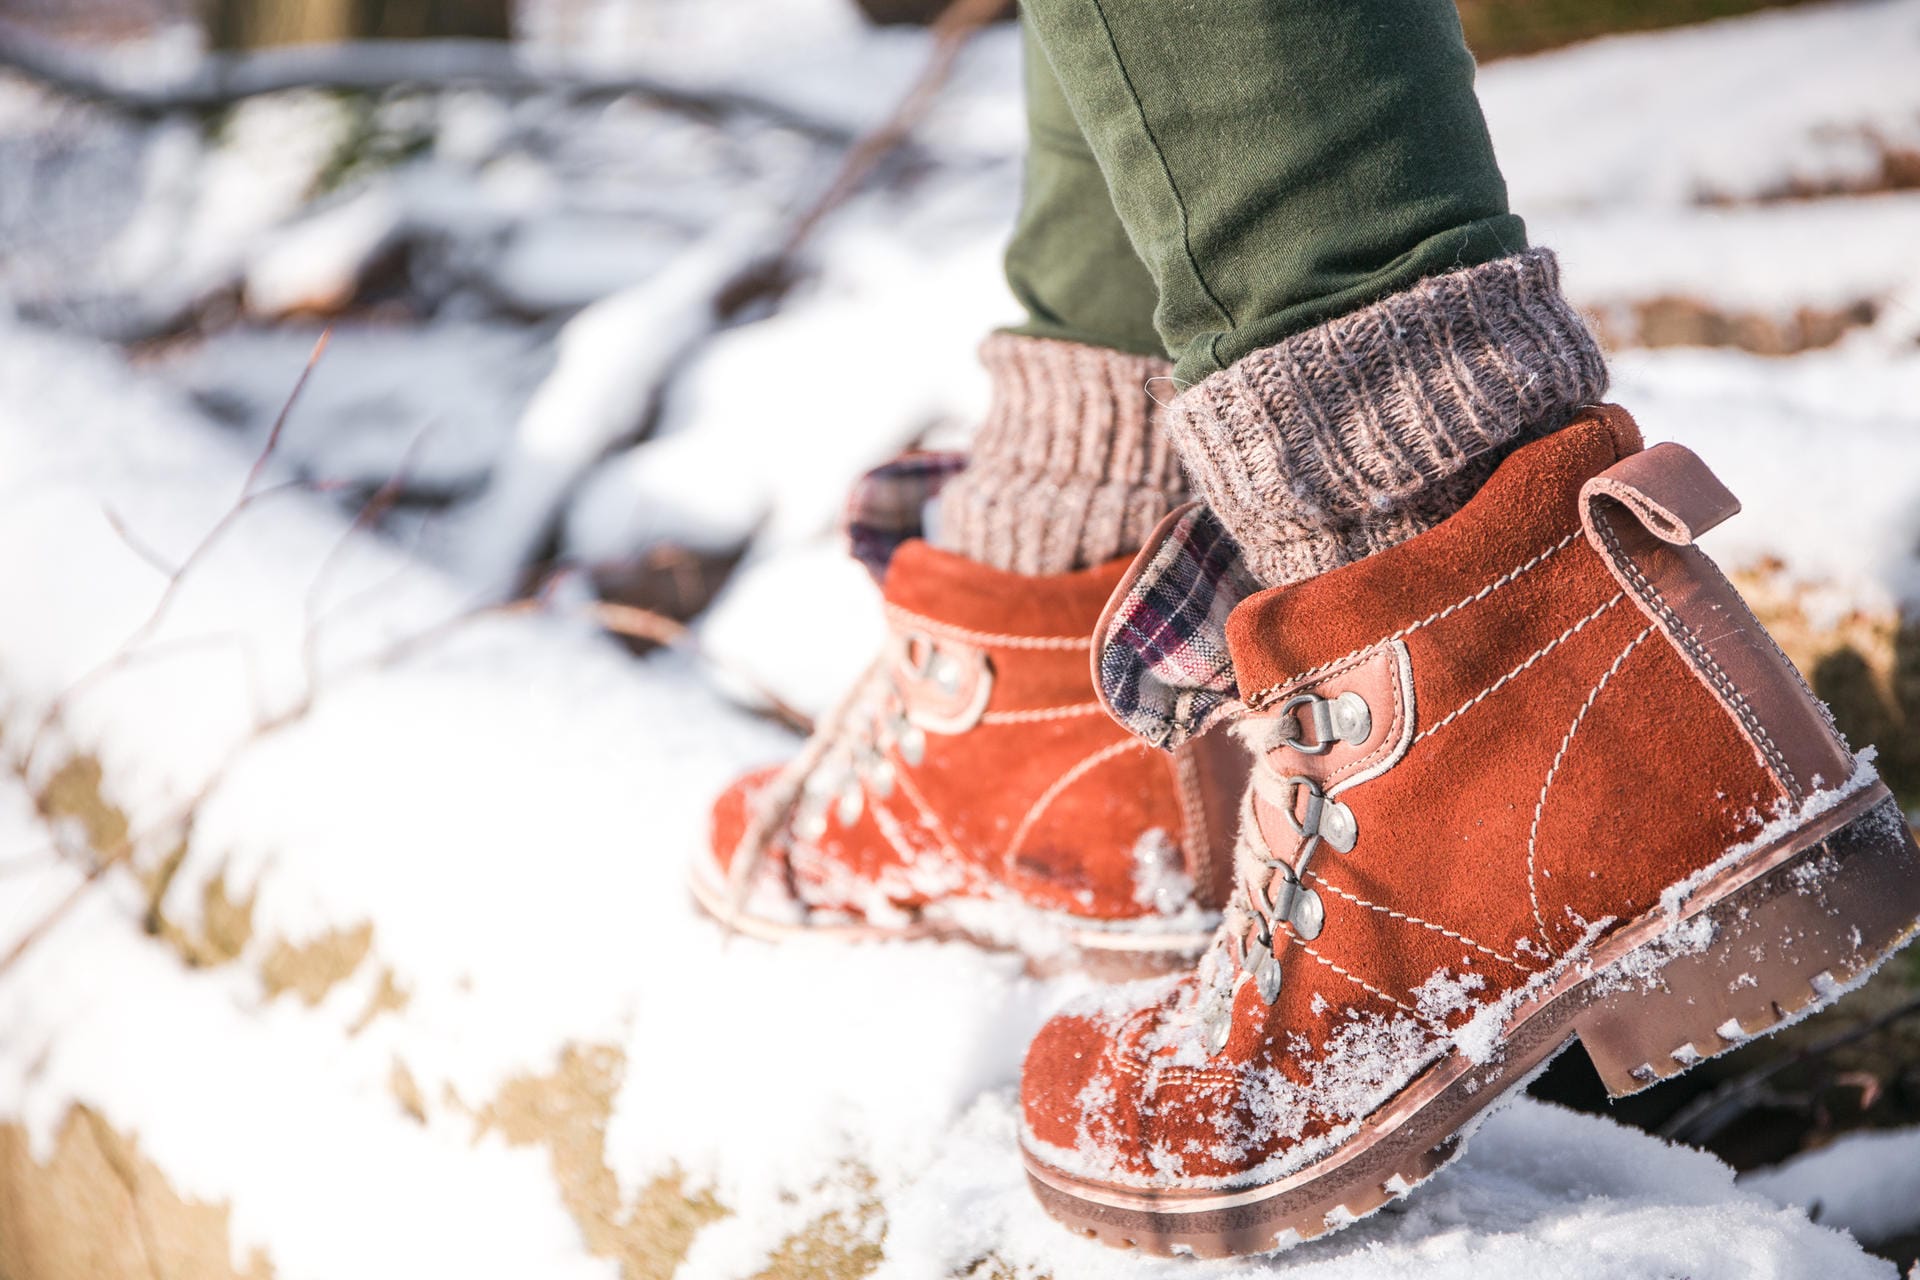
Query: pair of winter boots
[1396,834]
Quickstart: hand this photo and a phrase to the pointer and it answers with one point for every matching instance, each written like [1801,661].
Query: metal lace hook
[1346,718]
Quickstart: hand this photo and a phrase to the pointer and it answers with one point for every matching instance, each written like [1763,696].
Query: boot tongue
[1160,658]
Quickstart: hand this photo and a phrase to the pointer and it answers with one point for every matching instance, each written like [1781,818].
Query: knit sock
[1374,427]
[1071,467]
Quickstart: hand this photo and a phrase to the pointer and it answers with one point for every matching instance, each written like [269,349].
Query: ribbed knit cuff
[1071,467]
[1376,426]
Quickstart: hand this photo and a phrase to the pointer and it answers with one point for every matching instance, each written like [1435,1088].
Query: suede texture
[1044,799]
[1565,766]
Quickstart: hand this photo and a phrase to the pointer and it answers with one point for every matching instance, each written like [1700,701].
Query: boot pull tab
[1668,489]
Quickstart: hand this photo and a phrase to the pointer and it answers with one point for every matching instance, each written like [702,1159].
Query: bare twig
[250,493]
[645,624]
[139,546]
[136,648]
[45,924]
[371,512]
[107,860]
[372,66]
[770,276]
[286,409]
[957,24]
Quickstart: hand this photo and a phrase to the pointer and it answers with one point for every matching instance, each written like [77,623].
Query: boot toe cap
[732,811]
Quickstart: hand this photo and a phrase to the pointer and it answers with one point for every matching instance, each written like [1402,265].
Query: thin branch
[59,911]
[957,24]
[371,513]
[105,862]
[221,79]
[138,546]
[645,624]
[286,409]
[249,494]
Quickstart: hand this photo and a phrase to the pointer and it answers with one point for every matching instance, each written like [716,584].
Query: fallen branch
[222,79]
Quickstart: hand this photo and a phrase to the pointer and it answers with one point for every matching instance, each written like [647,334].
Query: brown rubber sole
[1111,955]
[1793,927]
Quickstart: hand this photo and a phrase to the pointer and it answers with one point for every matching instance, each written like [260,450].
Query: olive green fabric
[1275,164]
[1070,263]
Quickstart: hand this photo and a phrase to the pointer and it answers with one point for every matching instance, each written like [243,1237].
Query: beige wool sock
[1376,426]
[1071,468]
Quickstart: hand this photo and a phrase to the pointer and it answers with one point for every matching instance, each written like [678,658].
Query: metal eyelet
[944,687]
[1346,718]
[1327,819]
[1295,905]
[1266,978]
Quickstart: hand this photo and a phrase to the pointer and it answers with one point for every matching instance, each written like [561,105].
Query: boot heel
[1786,944]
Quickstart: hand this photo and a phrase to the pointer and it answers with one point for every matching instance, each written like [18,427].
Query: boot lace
[851,758]
[1271,891]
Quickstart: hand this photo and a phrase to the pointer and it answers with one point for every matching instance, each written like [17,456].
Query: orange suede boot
[971,786]
[1531,776]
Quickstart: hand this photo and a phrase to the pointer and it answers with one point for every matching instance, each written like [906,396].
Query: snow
[1864,1183]
[1821,450]
[468,796]
[1768,259]
[511,803]
[608,361]
[1735,109]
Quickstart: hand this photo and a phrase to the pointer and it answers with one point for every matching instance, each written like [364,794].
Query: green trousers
[1205,178]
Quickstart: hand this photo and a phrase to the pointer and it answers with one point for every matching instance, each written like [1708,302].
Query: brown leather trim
[1684,593]
[1671,491]
[1211,772]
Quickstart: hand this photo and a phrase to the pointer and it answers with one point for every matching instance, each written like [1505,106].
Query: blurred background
[619,297]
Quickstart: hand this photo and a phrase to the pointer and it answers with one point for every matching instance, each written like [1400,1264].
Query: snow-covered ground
[400,858]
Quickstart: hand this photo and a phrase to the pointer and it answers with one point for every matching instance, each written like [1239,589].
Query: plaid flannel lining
[1165,673]
[888,505]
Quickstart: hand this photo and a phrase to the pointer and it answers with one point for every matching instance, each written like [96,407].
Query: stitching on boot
[1042,714]
[1060,784]
[1540,807]
[1118,1053]
[1254,699]
[1540,653]
[1703,661]
[1207,1077]
[1358,901]
[1394,746]
[1359,981]
[987,639]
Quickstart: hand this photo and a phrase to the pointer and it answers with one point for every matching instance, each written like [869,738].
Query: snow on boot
[971,786]
[1532,776]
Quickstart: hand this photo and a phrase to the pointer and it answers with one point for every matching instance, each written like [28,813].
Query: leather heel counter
[1642,516]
